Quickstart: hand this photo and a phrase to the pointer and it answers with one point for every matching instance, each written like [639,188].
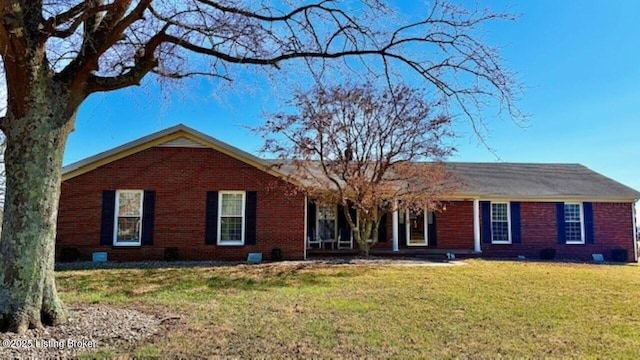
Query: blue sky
[579,62]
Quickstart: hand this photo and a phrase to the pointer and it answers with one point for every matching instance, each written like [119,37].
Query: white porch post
[306,238]
[394,236]
[476,226]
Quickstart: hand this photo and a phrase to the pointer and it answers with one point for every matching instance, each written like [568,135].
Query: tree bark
[33,161]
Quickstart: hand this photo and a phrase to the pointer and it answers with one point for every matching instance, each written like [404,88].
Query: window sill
[230,243]
[501,243]
[125,245]
[574,243]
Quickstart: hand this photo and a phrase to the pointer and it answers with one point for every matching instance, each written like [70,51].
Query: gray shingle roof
[538,181]
[498,180]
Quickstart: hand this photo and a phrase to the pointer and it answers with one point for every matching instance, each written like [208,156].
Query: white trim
[509,240]
[115,220]
[425,235]
[306,227]
[552,199]
[582,237]
[394,235]
[476,226]
[219,241]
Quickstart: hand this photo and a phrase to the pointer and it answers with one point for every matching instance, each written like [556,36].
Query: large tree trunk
[33,160]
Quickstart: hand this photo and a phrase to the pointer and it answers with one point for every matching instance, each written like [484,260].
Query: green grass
[485,309]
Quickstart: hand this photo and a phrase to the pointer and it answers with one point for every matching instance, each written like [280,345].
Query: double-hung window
[500,223]
[231,217]
[573,226]
[128,221]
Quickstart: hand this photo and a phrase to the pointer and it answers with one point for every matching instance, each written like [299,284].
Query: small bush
[619,255]
[69,254]
[548,254]
[276,255]
[171,254]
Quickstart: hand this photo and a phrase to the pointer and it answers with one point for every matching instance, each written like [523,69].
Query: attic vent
[182,142]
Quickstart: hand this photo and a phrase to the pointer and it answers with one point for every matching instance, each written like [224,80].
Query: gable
[175,137]
[182,142]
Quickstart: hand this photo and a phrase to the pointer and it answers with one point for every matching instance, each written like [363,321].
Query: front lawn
[482,309]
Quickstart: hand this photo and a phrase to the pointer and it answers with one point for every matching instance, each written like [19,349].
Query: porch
[438,254]
[455,229]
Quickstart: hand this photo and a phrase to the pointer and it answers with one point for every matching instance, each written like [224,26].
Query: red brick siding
[612,228]
[181,177]
[454,225]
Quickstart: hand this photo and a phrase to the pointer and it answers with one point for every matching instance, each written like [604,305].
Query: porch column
[394,236]
[306,226]
[476,226]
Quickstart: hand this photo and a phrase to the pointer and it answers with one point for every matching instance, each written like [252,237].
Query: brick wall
[181,177]
[612,230]
[454,227]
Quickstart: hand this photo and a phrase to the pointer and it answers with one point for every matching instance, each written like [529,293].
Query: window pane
[326,229]
[231,204]
[572,218]
[499,212]
[500,231]
[500,222]
[572,212]
[327,212]
[129,203]
[231,229]
[128,229]
[573,231]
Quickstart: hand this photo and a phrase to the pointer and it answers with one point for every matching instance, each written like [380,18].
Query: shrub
[171,254]
[548,254]
[69,254]
[619,255]
[276,255]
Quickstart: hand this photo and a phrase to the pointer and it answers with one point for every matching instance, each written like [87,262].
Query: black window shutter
[108,217]
[211,221]
[562,236]
[432,232]
[250,218]
[148,216]
[588,223]
[485,208]
[402,229]
[311,219]
[382,229]
[516,236]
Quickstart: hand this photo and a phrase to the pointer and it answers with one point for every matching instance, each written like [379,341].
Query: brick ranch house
[182,190]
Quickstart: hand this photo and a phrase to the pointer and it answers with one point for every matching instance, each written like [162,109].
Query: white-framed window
[573,224]
[231,209]
[417,225]
[128,218]
[327,218]
[500,223]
